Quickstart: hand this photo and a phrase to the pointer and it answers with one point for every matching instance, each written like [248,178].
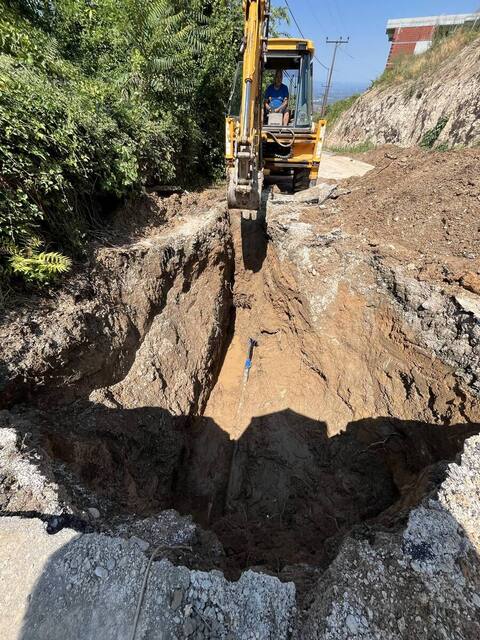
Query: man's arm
[284,104]
[268,97]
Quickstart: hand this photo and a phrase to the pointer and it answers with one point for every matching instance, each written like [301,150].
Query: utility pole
[337,43]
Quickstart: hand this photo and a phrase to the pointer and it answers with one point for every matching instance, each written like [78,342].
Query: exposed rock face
[447,325]
[402,114]
[373,337]
[422,582]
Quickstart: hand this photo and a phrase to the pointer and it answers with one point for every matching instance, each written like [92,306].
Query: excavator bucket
[244,196]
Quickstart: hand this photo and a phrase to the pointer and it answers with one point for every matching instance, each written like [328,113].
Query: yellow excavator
[264,144]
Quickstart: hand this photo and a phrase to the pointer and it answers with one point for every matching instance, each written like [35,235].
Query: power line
[320,63]
[310,6]
[313,13]
[331,13]
[346,53]
[300,32]
[337,43]
[335,14]
[339,14]
[294,19]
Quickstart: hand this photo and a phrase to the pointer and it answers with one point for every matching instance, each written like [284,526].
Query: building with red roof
[411,36]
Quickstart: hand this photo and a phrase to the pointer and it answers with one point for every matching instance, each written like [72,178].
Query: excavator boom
[245,176]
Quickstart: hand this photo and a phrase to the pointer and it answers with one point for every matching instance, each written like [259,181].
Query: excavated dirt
[336,425]
[365,316]
[426,203]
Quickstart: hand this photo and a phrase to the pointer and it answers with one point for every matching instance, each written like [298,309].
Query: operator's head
[278,77]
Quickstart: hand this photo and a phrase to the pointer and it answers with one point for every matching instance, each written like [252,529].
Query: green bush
[335,109]
[361,147]
[431,136]
[96,100]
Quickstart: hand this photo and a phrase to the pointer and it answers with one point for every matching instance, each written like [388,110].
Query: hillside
[417,98]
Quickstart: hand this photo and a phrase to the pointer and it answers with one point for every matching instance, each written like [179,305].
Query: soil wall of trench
[128,393]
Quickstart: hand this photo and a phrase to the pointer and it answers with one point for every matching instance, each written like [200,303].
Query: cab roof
[290,44]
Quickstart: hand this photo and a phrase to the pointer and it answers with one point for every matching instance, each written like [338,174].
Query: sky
[363,59]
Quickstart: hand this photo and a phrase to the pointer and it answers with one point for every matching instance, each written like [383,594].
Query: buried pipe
[248,362]
[252,343]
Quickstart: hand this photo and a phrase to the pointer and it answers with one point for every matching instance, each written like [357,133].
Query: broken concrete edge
[382,587]
[96,580]
[315,195]
[359,595]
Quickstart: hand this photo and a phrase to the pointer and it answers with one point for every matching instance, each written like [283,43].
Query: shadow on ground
[254,237]
[283,496]
[284,493]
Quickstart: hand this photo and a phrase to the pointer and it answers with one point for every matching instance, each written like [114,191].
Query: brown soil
[346,418]
[426,203]
[290,487]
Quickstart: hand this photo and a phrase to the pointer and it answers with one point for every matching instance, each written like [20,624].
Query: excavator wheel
[301,179]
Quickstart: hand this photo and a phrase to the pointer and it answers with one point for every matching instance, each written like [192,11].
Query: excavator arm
[245,176]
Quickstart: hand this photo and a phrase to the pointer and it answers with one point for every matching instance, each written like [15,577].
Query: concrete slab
[334,167]
[86,587]
[25,552]
[314,195]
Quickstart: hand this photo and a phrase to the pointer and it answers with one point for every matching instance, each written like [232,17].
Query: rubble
[423,581]
[95,582]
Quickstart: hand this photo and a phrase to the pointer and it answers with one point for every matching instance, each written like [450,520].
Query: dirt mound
[423,202]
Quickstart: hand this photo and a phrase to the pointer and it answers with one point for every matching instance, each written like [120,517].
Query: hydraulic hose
[286,145]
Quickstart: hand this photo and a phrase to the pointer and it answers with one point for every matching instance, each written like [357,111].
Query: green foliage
[431,136]
[39,268]
[278,16]
[32,264]
[335,109]
[362,147]
[97,100]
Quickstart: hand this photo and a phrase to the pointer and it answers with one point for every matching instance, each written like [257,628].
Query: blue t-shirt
[277,95]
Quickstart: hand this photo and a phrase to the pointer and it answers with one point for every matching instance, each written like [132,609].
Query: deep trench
[283,493]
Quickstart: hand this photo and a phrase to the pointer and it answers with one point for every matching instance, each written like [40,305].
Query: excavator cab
[288,150]
[262,149]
